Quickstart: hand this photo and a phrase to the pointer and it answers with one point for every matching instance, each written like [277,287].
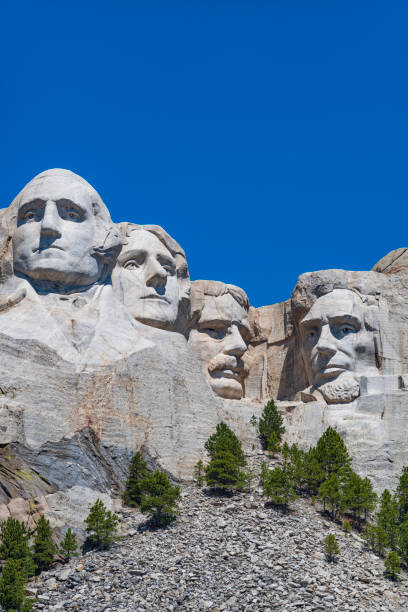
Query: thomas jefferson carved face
[55,232]
[220,341]
[148,279]
[336,344]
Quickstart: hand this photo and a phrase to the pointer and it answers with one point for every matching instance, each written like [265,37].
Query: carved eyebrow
[133,253]
[214,323]
[35,202]
[68,202]
[345,318]
[310,322]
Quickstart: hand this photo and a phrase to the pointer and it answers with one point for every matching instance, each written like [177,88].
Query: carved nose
[326,345]
[50,225]
[156,275]
[235,344]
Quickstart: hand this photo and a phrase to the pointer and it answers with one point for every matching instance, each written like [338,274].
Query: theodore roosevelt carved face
[62,231]
[337,343]
[151,276]
[220,335]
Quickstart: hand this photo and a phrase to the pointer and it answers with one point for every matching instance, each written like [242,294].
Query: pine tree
[199,470]
[332,453]
[12,593]
[101,525]
[14,545]
[279,485]
[358,495]
[270,421]
[224,439]
[402,495]
[69,546]
[312,473]
[346,526]
[223,472]
[403,541]
[137,471]
[273,445]
[370,535]
[159,498]
[330,492]
[381,540]
[331,547]
[387,518]
[392,565]
[295,457]
[44,547]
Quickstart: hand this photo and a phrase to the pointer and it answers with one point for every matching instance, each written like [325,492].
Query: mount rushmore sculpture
[108,348]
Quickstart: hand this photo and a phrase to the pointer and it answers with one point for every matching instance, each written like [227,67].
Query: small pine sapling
[132,495]
[68,546]
[101,524]
[346,526]
[44,547]
[273,445]
[331,547]
[199,470]
[270,421]
[392,565]
[160,498]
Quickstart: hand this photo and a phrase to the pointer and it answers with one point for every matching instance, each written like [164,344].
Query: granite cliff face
[108,348]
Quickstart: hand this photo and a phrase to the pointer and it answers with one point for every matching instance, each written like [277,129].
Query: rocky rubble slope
[232,554]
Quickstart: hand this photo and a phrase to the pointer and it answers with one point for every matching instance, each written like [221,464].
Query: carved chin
[226,387]
[342,390]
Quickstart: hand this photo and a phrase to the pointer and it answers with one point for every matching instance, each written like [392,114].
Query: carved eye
[218,333]
[73,215]
[29,216]
[344,330]
[131,265]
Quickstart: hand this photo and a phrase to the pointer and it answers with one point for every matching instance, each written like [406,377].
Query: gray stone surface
[105,351]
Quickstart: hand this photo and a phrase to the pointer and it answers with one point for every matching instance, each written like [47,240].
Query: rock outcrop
[108,348]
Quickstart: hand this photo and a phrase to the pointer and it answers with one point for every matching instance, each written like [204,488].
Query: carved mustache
[228,362]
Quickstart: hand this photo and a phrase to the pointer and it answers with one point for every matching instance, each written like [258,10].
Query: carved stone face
[335,341]
[148,280]
[220,342]
[55,232]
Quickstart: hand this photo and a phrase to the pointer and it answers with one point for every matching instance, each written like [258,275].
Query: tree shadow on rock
[218,492]
[280,508]
[155,523]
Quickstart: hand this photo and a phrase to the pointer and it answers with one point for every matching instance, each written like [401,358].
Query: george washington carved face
[58,222]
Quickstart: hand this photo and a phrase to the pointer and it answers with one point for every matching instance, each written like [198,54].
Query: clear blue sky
[269,138]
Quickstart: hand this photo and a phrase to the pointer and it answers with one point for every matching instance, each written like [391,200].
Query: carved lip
[155,296]
[47,248]
[234,373]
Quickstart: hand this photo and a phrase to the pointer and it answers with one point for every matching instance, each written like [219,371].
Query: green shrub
[159,498]
[331,547]
[101,525]
[199,470]
[346,526]
[223,472]
[392,565]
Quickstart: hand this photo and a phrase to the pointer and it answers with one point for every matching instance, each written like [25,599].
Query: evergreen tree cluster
[152,492]
[23,561]
[324,470]
[387,535]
